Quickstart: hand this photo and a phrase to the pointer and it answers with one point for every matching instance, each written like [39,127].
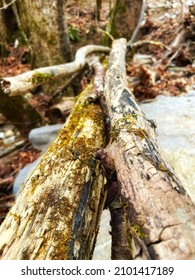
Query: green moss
[137,229]
[51,41]
[128,122]
[40,78]
[71,144]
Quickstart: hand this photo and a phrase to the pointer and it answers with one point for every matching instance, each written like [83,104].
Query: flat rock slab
[175,119]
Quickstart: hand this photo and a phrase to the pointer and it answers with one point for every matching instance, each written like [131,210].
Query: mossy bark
[159,214]
[57,211]
[45,27]
[28,81]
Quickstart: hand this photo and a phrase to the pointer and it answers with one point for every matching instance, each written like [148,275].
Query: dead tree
[57,211]
[152,212]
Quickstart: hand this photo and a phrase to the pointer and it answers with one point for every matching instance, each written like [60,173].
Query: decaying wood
[160,214]
[57,212]
[26,82]
[11,149]
[61,110]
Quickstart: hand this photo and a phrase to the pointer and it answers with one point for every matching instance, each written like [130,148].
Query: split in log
[26,82]
[57,212]
[160,215]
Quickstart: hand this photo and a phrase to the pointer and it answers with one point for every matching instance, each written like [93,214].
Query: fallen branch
[11,149]
[61,110]
[160,215]
[25,82]
[149,42]
[57,212]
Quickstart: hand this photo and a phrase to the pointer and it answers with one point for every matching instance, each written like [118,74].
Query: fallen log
[57,211]
[158,220]
[26,82]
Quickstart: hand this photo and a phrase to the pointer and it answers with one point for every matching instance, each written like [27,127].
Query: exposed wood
[57,212]
[160,214]
[121,248]
[61,110]
[25,82]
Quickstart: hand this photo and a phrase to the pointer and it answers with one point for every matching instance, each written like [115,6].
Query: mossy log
[57,212]
[159,216]
[28,81]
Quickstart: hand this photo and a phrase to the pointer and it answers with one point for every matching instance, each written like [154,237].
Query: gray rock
[41,137]
[175,118]
[23,175]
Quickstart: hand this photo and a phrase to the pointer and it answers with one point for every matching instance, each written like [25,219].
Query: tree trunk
[45,27]
[125,18]
[159,215]
[98,8]
[8,25]
[2,32]
[57,212]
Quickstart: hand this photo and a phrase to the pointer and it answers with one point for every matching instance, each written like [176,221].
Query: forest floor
[164,67]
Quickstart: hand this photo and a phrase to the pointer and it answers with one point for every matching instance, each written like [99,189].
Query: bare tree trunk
[57,212]
[125,18]
[45,26]
[160,216]
[98,8]
[7,25]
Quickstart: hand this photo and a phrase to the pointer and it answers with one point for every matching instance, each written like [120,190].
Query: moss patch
[40,78]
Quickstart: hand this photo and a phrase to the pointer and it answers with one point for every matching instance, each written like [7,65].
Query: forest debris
[2,119]
[147,183]
[60,111]
[67,186]
[25,82]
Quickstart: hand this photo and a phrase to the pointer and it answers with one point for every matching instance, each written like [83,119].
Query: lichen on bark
[59,207]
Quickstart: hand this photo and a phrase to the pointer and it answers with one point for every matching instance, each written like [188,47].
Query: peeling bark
[57,212]
[161,216]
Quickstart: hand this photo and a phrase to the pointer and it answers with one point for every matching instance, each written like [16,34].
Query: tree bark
[125,17]
[27,81]
[57,212]
[44,24]
[160,216]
